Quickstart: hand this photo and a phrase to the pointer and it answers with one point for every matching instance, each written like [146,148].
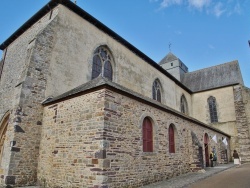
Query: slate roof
[101,82]
[94,84]
[213,77]
[168,58]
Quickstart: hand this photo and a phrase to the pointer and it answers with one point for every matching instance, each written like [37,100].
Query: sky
[202,33]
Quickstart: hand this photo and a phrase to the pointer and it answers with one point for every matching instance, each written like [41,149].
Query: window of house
[156,90]
[212,109]
[147,134]
[171,139]
[102,64]
[184,105]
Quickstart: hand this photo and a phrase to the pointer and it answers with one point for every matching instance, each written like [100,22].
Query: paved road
[188,179]
[232,178]
[221,176]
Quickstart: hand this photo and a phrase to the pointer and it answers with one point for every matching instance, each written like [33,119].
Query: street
[238,177]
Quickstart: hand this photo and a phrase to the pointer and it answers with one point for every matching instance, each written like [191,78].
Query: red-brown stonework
[98,139]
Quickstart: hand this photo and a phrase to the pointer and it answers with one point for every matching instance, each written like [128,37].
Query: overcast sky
[202,33]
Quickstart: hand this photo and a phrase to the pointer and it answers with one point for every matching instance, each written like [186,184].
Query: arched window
[212,109]
[184,105]
[3,130]
[102,64]
[156,90]
[171,139]
[147,135]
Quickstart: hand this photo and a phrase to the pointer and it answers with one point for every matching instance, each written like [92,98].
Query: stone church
[82,107]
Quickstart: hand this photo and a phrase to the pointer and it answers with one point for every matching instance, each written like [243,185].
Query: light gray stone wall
[71,62]
[22,88]
[96,140]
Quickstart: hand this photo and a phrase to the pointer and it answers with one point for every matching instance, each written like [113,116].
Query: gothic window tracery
[212,109]
[156,90]
[102,64]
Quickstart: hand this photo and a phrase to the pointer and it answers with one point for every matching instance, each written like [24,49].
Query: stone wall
[95,140]
[123,124]
[71,151]
[241,97]
[22,87]
[225,110]
[246,98]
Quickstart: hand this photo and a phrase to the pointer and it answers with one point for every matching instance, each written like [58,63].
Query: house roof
[101,82]
[73,7]
[213,77]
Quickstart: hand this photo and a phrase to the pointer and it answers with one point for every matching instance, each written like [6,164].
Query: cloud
[212,7]
[167,3]
[218,9]
[199,4]
[237,8]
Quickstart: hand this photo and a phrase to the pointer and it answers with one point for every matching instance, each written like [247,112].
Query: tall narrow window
[212,109]
[102,64]
[156,90]
[147,134]
[171,139]
[184,106]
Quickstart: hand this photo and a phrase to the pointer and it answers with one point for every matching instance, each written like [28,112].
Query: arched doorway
[3,130]
[206,141]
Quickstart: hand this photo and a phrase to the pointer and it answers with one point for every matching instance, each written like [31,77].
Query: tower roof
[169,58]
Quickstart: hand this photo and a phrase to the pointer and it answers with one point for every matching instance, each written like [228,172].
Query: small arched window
[171,139]
[184,105]
[147,134]
[3,130]
[212,109]
[156,90]
[102,64]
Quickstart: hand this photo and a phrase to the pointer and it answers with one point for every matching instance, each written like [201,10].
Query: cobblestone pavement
[183,181]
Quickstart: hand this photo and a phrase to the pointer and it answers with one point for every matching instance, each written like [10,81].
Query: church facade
[82,107]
